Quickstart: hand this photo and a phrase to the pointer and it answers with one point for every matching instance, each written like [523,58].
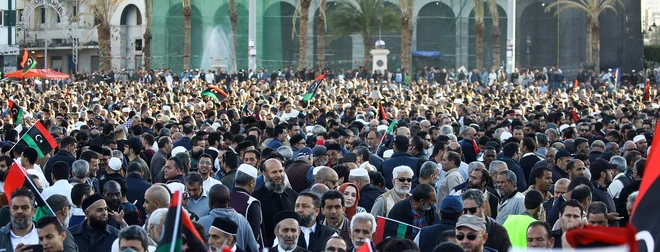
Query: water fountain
[217,52]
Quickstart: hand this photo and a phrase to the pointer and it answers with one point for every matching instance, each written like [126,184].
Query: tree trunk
[496,48]
[302,33]
[366,40]
[104,45]
[233,17]
[479,28]
[589,55]
[146,50]
[320,34]
[595,45]
[187,14]
[406,42]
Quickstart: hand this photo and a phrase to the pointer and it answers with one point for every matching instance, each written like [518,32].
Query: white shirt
[42,179]
[61,187]
[30,238]
[306,233]
[210,182]
[615,187]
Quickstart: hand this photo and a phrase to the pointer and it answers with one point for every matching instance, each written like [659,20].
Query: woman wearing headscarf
[351,199]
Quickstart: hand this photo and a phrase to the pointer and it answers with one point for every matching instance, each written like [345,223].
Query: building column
[511,36]
[462,46]
[252,34]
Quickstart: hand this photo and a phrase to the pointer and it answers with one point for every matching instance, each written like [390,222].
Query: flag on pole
[17,178]
[575,116]
[387,227]
[644,216]
[28,63]
[40,139]
[389,131]
[25,57]
[617,76]
[16,112]
[647,90]
[215,93]
[311,91]
[179,233]
[381,112]
[366,247]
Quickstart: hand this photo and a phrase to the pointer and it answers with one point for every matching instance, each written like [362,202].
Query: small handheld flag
[215,93]
[40,139]
[392,228]
[390,129]
[16,112]
[17,178]
[179,232]
[311,91]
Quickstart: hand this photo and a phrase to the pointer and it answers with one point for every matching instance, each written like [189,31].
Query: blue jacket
[368,195]
[89,240]
[397,159]
[61,155]
[136,188]
[185,142]
[429,235]
[515,168]
[468,151]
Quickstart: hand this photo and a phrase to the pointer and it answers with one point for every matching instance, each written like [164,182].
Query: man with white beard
[275,196]
[287,229]
[402,181]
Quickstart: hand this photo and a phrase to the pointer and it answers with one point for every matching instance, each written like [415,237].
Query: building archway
[131,15]
[536,37]
[488,39]
[436,31]
[279,48]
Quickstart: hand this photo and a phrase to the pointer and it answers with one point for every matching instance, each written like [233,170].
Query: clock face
[380,63]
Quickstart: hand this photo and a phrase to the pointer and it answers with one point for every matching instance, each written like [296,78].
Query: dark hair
[123,187]
[398,244]
[206,155]
[316,201]
[543,224]
[66,142]
[78,191]
[149,138]
[376,178]
[454,158]
[214,138]
[533,199]
[194,179]
[48,220]
[510,149]
[581,193]
[134,168]
[448,247]
[61,170]
[88,155]
[401,145]
[342,171]
[422,192]
[581,180]
[571,203]
[31,154]
[542,139]
[163,141]
[178,163]
[23,192]
[445,235]
[640,166]
[331,195]
[538,174]
[134,233]
[418,143]
[529,143]
[597,208]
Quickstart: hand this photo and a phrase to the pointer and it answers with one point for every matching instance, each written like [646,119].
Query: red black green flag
[311,91]
[381,112]
[16,112]
[17,178]
[27,63]
[179,232]
[40,139]
[392,228]
[215,93]
[644,214]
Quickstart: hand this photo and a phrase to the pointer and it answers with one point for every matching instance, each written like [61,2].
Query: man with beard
[332,206]
[363,226]
[314,234]
[275,196]
[61,208]
[417,210]
[205,168]
[174,170]
[223,234]
[450,209]
[94,234]
[244,203]
[113,195]
[287,231]
[402,180]
[601,176]
[20,233]
[219,196]
[5,162]
[479,179]
[429,173]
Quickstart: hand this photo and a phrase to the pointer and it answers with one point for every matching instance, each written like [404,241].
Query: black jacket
[402,211]
[622,201]
[515,168]
[493,197]
[368,195]
[272,203]
[113,176]
[317,238]
[89,240]
[61,155]
[136,188]
[600,194]
[527,164]
[429,235]
[498,238]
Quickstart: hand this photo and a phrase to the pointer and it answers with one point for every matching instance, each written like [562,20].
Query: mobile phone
[37,248]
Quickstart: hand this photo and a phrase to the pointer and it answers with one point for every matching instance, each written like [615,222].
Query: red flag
[575,116]
[381,112]
[25,57]
[644,215]
[575,84]
[646,90]
[475,146]
[366,247]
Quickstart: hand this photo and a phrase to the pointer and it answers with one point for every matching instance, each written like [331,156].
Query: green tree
[146,50]
[187,18]
[364,17]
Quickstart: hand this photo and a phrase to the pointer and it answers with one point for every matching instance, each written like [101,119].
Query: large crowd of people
[468,160]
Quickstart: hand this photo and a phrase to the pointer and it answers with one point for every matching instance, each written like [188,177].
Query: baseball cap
[562,153]
[319,150]
[600,165]
[451,204]
[57,202]
[304,152]
[472,222]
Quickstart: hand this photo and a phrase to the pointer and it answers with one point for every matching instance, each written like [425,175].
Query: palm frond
[103,8]
[478,10]
[494,12]
[562,5]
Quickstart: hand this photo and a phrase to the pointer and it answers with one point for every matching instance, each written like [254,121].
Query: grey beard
[306,220]
[21,224]
[426,207]
[277,188]
[286,247]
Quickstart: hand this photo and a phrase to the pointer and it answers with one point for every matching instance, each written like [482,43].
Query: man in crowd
[368,193]
[332,208]
[223,234]
[287,231]
[473,204]
[402,181]
[511,200]
[450,209]
[94,233]
[540,236]
[363,227]
[418,210]
[313,234]
[198,201]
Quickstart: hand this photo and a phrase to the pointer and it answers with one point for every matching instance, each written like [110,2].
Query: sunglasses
[405,180]
[471,210]
[470,236]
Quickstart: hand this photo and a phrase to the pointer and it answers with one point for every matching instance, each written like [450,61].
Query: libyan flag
[40,139]
[215,93]
[179,234]
[27,63]
[18,178]
[16,112]
[311,91]
[644,216]
[392,228]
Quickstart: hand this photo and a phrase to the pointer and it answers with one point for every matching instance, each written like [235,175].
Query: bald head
[219,196]
[403,131]
[157,196]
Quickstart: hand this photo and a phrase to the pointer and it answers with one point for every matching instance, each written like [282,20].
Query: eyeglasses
[404,180]
[333,249]
[470,236]
[472,210]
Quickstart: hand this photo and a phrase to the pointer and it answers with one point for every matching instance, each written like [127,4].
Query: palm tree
[365,19]
[406,33]
[479,31]
[494,13]
[187,15]
[233,17]
[302,12]
[320,34]
[593,8]
[146,50]
[103,10]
